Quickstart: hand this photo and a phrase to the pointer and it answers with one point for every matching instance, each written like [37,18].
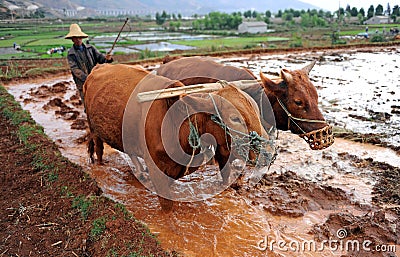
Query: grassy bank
[51,207]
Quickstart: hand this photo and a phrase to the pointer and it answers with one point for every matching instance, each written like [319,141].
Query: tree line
[309,18]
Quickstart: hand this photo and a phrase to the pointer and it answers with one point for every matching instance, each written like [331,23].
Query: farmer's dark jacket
[83,61]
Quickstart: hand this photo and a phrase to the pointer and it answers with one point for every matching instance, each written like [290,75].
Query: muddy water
[245,222]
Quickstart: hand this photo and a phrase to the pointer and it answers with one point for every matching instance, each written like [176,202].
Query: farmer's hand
[108,57]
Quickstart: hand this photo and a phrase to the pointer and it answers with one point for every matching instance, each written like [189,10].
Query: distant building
[253,27]
[276,20]
[352,20]
[377,20]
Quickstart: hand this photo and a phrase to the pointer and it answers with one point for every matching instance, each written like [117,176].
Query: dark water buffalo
[137,128]
[292,96]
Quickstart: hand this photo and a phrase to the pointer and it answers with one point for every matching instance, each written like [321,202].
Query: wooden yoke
[199,88]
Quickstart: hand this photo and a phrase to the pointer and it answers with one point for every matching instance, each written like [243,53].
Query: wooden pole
[199,88]
[115,41]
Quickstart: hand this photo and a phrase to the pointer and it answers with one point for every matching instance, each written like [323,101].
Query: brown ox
[293,97]
[111,113]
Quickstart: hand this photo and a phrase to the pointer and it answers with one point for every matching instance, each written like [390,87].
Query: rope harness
[243,143]
[317,139]
[193,138]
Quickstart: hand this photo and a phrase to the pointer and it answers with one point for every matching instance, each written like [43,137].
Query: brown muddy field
[342,201]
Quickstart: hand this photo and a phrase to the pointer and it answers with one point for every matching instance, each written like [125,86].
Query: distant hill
[143,7]
[195,6]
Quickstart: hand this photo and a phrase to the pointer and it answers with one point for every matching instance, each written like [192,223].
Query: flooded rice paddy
[306,197]
[157,41]
[358,91]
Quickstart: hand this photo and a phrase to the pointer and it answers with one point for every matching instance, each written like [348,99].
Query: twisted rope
[193,139]
[247,142]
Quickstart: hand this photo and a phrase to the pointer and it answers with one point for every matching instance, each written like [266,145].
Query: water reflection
[163,47]
[150,41]
[155,36]
[152,36]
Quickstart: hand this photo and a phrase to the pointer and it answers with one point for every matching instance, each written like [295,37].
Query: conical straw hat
[75,31]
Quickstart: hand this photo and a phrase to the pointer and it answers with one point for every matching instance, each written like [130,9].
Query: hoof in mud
[93,161]
[166,204]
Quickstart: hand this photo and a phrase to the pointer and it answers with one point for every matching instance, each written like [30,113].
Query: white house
[253,27]
[377,20]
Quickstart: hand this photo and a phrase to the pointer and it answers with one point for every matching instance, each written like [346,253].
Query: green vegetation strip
[233,42]
[28,129]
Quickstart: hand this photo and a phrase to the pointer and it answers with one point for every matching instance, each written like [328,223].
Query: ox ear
[309,67]
[276,86]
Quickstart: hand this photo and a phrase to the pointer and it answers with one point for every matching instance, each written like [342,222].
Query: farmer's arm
[101,58]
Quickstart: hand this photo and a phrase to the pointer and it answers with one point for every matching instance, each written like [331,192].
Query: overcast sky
[333,5]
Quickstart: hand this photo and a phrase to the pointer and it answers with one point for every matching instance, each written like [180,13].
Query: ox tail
[90,148]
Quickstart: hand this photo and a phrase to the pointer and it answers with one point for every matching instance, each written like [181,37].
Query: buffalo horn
[309,67]
[286,75]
